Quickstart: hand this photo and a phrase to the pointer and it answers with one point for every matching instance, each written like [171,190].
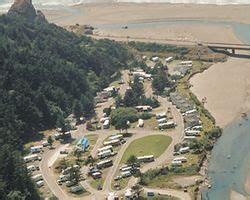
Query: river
[230,174]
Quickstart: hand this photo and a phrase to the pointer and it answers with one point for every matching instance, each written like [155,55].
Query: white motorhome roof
[113,137]
[104,148]
[31,156]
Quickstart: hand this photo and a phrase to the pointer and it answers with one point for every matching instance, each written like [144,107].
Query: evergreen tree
[77,109]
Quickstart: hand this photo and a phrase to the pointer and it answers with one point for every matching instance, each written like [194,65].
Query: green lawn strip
[148,145]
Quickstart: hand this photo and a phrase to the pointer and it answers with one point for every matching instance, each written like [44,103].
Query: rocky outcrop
[81,29]
[40,17]
[25,8]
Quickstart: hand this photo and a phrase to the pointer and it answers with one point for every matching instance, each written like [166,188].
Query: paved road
[47,173]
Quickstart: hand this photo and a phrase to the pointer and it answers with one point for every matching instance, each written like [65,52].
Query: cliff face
[26,9]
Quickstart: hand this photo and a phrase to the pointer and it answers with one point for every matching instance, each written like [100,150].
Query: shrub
[146,116]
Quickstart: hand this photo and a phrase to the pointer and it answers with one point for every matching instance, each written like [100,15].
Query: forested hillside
[44,72]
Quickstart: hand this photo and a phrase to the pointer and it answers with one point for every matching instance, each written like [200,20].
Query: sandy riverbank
[227,89]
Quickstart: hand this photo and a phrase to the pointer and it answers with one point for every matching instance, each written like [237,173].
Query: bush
[152,174]
[215,132]
[89,126]
[153,102]
[146,116]
[128,114]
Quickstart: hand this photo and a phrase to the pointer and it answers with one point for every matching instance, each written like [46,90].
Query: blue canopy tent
[83,144]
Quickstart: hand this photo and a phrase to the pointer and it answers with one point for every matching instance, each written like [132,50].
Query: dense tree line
[158,48]
[46,73]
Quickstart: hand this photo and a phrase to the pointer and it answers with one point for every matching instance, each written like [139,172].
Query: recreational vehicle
[184,150]
[31,158]
[36,149]
[149,158]
[37,177]
[104,164]
[106,124]
[104,154]
[112,142]
[109,147]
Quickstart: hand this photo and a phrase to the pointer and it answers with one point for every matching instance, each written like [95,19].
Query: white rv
[36,149]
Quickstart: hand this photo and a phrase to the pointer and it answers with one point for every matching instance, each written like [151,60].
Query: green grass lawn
[149,145]
[92,140]
[95,183]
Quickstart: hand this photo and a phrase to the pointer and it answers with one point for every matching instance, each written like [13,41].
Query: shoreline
[138,11]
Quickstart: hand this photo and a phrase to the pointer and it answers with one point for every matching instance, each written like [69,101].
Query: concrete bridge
[228,48]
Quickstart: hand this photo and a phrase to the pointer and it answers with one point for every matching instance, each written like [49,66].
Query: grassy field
[92,140]
[95,183]
[149,145]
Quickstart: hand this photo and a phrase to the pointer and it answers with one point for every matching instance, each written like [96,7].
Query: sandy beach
[227,88]
[109,13]
[237,196]
[103,15]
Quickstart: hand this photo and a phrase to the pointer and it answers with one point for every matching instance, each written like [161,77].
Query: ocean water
[45,4]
